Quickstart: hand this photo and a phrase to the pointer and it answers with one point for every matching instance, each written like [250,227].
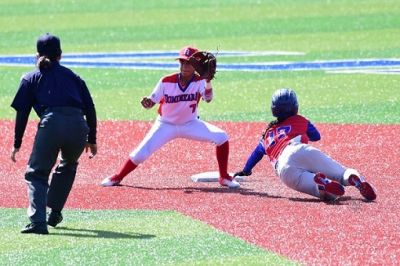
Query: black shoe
[55,218]
[34,228]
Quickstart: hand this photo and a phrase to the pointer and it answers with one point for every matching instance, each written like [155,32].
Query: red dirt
[264,211]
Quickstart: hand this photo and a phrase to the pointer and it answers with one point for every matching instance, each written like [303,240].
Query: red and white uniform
[178,117]
[179,105]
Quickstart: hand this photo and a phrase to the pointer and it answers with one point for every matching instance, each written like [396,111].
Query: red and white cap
[186,52]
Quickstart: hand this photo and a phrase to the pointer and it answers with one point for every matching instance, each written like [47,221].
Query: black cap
[48,44]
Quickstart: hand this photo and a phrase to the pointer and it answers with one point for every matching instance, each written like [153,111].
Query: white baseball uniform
[177,116]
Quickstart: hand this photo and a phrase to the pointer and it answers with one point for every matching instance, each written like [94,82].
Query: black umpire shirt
[54,87]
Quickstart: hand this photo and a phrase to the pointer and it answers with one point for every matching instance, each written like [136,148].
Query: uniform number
[193,106]
[275,135]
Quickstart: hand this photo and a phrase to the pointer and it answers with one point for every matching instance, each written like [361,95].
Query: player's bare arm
[208,93]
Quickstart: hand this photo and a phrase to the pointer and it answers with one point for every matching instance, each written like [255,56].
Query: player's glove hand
[147,103]
[205,64]
[242,173]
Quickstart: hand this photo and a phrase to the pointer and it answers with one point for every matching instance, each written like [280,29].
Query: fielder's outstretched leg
[159,134]
[225,179]
[114,180]
[203,131]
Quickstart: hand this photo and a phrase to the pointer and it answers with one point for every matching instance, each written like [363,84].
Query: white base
[212,176]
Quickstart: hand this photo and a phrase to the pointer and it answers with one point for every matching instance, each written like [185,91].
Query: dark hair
[49,49]
[270,124]
[43,62]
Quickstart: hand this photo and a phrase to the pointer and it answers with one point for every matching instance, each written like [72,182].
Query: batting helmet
[284,104]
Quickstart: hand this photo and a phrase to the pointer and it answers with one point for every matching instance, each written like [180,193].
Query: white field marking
[140,60]
[379,71]
[139,56]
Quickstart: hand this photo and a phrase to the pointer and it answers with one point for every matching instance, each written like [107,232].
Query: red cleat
[366,189]
[328,189]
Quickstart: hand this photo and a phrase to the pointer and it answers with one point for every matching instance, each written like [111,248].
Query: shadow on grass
[89,233]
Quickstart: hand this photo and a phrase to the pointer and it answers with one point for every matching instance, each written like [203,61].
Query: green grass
[338,98]
[315,27]
[126,238]
[323,30]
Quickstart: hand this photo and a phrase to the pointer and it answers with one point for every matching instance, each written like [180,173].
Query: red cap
[186,52]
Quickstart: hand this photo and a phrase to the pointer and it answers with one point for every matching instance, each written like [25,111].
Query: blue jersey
[54,87]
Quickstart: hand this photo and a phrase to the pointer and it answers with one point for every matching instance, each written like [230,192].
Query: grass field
[143,237]
[337,98]
[322,30]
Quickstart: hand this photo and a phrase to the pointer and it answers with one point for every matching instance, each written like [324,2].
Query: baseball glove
[205,64]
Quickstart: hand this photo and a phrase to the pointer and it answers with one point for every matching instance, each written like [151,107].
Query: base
[212,176]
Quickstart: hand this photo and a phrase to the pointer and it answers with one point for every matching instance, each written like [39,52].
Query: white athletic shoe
[110,181]
[229,183]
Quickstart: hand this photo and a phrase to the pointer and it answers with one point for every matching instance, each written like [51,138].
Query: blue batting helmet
[284,103]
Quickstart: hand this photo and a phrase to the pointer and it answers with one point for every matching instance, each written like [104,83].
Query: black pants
[61,129]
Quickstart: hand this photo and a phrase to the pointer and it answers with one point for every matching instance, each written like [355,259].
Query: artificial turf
[126,237]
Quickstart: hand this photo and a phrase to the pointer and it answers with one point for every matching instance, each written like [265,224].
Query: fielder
[178,96]
[299,165]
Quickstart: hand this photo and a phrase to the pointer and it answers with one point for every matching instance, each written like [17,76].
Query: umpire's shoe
[35,228]
[55,217]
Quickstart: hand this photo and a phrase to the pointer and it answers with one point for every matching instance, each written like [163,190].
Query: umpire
[62,101]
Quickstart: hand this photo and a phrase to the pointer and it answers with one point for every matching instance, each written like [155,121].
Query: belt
[276,165]
[66,110]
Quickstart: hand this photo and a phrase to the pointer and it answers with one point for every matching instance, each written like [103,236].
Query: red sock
[128,167]
[222,157]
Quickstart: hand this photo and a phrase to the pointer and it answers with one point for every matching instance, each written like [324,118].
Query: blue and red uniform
[299,165]
[278,136]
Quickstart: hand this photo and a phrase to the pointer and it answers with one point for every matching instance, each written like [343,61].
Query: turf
[322,30]
[126,238]
[338,98]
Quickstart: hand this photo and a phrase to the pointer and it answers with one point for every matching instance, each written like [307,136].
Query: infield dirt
[264,211]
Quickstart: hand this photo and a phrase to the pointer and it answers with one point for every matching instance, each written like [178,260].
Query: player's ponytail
[270,124]
[43,62]
[49,50]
